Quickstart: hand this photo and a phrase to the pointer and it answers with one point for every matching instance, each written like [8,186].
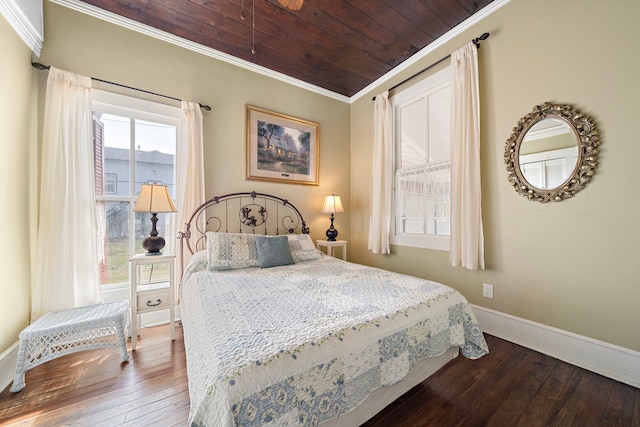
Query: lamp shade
[332,204]
[154,198]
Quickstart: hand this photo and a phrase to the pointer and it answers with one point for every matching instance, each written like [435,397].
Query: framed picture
[281,148]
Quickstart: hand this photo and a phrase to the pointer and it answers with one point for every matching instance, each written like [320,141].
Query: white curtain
[467,240]
[66,270]
[382,175]
[190,167]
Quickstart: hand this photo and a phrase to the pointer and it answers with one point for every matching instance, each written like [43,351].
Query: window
[549,169]
[134,143]
[110,183]
[421,208]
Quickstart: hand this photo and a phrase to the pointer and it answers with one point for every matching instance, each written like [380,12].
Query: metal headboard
[248,212]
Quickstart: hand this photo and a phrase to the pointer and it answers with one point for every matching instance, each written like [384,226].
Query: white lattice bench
[63,332]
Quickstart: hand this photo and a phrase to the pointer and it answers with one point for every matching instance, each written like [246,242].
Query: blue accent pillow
[273,251]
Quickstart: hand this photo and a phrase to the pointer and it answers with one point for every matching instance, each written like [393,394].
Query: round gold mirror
[552,153]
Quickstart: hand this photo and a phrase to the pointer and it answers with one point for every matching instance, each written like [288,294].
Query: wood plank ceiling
[338,45]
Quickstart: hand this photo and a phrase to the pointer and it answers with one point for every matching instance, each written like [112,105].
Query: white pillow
[302,248]
[197,262]
[228,251]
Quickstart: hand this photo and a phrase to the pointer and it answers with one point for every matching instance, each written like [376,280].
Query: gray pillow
[273,251]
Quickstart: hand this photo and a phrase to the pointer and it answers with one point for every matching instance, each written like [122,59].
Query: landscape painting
[281,148]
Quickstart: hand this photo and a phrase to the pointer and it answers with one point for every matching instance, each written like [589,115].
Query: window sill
[439,243]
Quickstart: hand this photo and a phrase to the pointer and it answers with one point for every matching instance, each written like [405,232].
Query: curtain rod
[475,41]
[40,66]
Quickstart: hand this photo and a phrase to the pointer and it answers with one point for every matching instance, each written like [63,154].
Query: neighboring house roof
[111,153]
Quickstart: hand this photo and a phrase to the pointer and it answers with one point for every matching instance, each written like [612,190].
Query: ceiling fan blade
[291,4]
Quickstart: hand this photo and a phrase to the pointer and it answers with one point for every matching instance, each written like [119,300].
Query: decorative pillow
[228,251]
[197,262]
[273,251]
[302,247]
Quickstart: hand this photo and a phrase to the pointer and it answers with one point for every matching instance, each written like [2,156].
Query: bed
[278,333]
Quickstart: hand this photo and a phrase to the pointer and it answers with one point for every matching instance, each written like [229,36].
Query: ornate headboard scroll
[248,212]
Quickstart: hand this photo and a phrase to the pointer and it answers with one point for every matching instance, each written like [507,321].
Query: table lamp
[154,199]
[332,204]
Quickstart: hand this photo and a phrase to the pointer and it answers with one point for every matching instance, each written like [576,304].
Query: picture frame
[281,148]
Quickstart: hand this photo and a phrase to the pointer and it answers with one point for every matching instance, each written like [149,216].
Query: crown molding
[549,132]
[26,19]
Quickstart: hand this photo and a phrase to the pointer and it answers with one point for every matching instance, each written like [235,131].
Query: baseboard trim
[8,360]
[618,363]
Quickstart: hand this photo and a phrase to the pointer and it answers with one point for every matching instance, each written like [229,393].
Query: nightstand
[332,245]
[151,295]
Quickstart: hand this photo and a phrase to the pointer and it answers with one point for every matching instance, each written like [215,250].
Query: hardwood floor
[92,388]
[512,386]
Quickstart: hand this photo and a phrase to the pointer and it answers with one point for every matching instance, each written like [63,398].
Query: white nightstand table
[332,245]
[153,296]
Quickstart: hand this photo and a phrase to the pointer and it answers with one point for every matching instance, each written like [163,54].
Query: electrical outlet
[487,290]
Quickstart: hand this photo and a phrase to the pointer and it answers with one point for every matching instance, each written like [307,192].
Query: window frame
[127,106]
[434,83]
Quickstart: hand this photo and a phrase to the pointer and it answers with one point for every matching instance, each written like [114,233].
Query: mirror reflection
[548,153]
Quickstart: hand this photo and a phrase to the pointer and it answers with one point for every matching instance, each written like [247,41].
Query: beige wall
[17,134]
[571,265]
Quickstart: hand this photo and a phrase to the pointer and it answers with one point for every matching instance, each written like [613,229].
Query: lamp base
[153,245]
[332,233]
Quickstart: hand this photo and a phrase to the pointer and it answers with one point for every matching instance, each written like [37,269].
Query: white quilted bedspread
[299,344]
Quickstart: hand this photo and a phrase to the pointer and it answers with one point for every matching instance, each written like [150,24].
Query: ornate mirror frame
[587,140]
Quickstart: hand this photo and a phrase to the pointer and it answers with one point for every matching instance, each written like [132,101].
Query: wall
[86,45]
[572,265]
[17,135]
